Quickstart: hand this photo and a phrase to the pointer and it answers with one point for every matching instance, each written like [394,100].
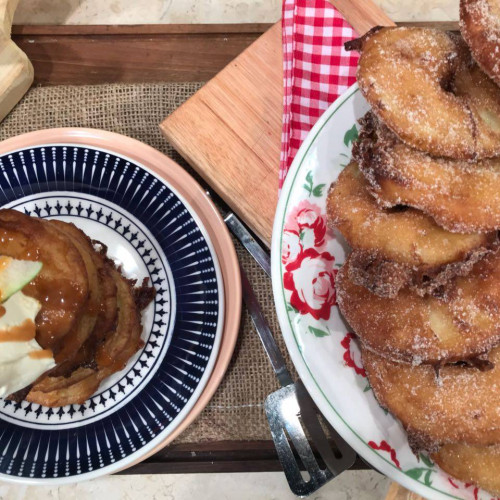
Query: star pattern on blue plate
[139,404]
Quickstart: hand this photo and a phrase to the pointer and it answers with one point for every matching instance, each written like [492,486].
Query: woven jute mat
[236,412]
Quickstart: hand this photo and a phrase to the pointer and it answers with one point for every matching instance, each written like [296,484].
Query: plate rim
[209,219]
[327,408]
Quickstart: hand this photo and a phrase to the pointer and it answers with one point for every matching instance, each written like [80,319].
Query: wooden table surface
[76,55]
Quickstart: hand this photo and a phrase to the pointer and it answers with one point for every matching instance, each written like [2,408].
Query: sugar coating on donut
[462,196]
[471,464]
[404,236]
[386,278]
[480,27]
[423,84]
[461,321]
[454,405]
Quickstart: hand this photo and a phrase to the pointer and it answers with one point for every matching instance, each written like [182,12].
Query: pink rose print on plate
[352,357]
[311,279]
[309,224]
[291,247]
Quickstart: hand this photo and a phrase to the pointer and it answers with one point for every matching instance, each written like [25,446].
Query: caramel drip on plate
[42,354]
[2,311]
[21,333]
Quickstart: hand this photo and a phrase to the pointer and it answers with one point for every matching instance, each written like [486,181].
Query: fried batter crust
[480,27]
[63,275]
[461,196]
[116,347]
[459,405]
[406,244]
[104,327]
[86,322]
[478,465]
[100,313]
[116,306]
[462,323]
[423,84]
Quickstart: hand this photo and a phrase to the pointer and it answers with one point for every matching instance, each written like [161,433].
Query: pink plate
[202,208]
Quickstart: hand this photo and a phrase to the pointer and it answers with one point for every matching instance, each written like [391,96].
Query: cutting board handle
[7,9]
[16,70]
[362,15]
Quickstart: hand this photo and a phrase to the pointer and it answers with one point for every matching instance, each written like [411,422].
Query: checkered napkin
[316,69]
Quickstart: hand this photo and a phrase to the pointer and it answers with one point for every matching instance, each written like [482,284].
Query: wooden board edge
[91,55]
[174,29]
[138,29]
[217,456]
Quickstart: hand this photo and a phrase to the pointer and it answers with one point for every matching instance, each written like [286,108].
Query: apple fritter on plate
[398,247]
[461,196]
[462,322]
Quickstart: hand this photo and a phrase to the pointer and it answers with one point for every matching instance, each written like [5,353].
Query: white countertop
[355,485]
[201,11]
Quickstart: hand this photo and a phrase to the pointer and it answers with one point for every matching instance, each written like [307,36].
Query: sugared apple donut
[462,322]
[460,195]
[460,405]
[423,84]
[398,247]
[480,27]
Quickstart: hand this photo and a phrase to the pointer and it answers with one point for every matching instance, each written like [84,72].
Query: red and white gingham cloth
[316,68]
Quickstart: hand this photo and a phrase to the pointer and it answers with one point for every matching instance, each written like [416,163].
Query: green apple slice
[14,274]
[19,363]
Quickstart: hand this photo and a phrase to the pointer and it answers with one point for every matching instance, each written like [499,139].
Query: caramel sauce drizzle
[20,333]
[42,354]
[60,300]
[2,311]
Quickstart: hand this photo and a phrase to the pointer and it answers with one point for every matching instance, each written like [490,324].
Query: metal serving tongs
[292,414]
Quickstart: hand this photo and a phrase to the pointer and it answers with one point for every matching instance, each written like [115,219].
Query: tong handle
[249,242]
[265,334]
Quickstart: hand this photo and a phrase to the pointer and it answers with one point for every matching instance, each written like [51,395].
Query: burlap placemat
[236,411]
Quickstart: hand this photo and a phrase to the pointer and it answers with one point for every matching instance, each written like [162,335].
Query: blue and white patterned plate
[152,232]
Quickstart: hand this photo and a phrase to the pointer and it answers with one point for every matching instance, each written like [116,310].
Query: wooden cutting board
[230,131]
[16,70]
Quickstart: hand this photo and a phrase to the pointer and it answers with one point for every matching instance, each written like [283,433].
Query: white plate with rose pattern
[306,256]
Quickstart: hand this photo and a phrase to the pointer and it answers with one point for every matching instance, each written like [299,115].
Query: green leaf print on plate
[313,190]
[427,461]
[351,136]
[317,332]
[318,190]
[422,473]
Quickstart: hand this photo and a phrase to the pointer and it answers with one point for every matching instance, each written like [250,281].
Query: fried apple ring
[464,322]
[112,353]
[456,405]
[461,196]
[62,287]
[85,323]
[480,27]
[423,84]
[478,465]
[406,245]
